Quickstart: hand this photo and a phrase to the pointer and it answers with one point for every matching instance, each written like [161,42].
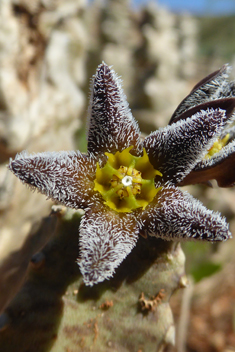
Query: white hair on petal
[58,175]
[179,216]
[104,242]
[215,88]
[111,124]
[177,148]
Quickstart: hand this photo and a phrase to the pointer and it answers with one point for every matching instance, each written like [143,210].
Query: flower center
[126,182]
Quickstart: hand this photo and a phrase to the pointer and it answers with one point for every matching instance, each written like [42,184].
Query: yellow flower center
[126,182]
[217,146]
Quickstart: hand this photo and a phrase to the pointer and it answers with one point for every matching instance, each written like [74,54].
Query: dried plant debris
[129,187]
[147,305]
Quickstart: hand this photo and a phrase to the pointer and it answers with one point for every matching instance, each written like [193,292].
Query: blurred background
[49,50]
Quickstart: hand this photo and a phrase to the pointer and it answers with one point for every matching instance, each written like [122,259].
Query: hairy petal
[221,167]
[227,104]
[176,149]
[105,239]
[209,88]
[66,177]
[178,216]
[112,127]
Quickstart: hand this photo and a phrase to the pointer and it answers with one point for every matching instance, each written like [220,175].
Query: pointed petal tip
[229,237]
[224,70]
[17,166]
[112,127]
[92,277]
[227,104]
[219,229]
[180,217]
[213,87]
[103,67]
[103,64]
[19,162]
[65,177]
[105,240]
[92,273]
[9,165]
[23,166]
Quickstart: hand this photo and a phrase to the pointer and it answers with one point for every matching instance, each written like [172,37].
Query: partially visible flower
[128,187]
[220,163]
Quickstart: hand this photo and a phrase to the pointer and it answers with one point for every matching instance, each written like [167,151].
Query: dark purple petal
[220,167]
[176,149]
[227,104]
[209,88]
[213,79]
[112,127]
[66,177]
[106,238]
[175,215]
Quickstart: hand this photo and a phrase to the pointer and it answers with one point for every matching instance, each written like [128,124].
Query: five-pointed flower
[129,187]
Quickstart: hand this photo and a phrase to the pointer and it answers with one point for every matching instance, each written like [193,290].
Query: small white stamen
[127,181]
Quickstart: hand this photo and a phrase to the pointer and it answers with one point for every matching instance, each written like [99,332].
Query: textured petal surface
[106,238]
[209,88]
[176,149]
[227,104]
[220,167]
[111,127]
[178,216]
[66,177]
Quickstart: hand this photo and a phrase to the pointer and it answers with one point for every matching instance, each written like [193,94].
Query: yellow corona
[126,182]
[217,146]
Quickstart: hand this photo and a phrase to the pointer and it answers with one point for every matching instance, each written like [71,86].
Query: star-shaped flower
[129,187]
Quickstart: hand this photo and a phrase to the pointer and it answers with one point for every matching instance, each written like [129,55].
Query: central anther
[127,181]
